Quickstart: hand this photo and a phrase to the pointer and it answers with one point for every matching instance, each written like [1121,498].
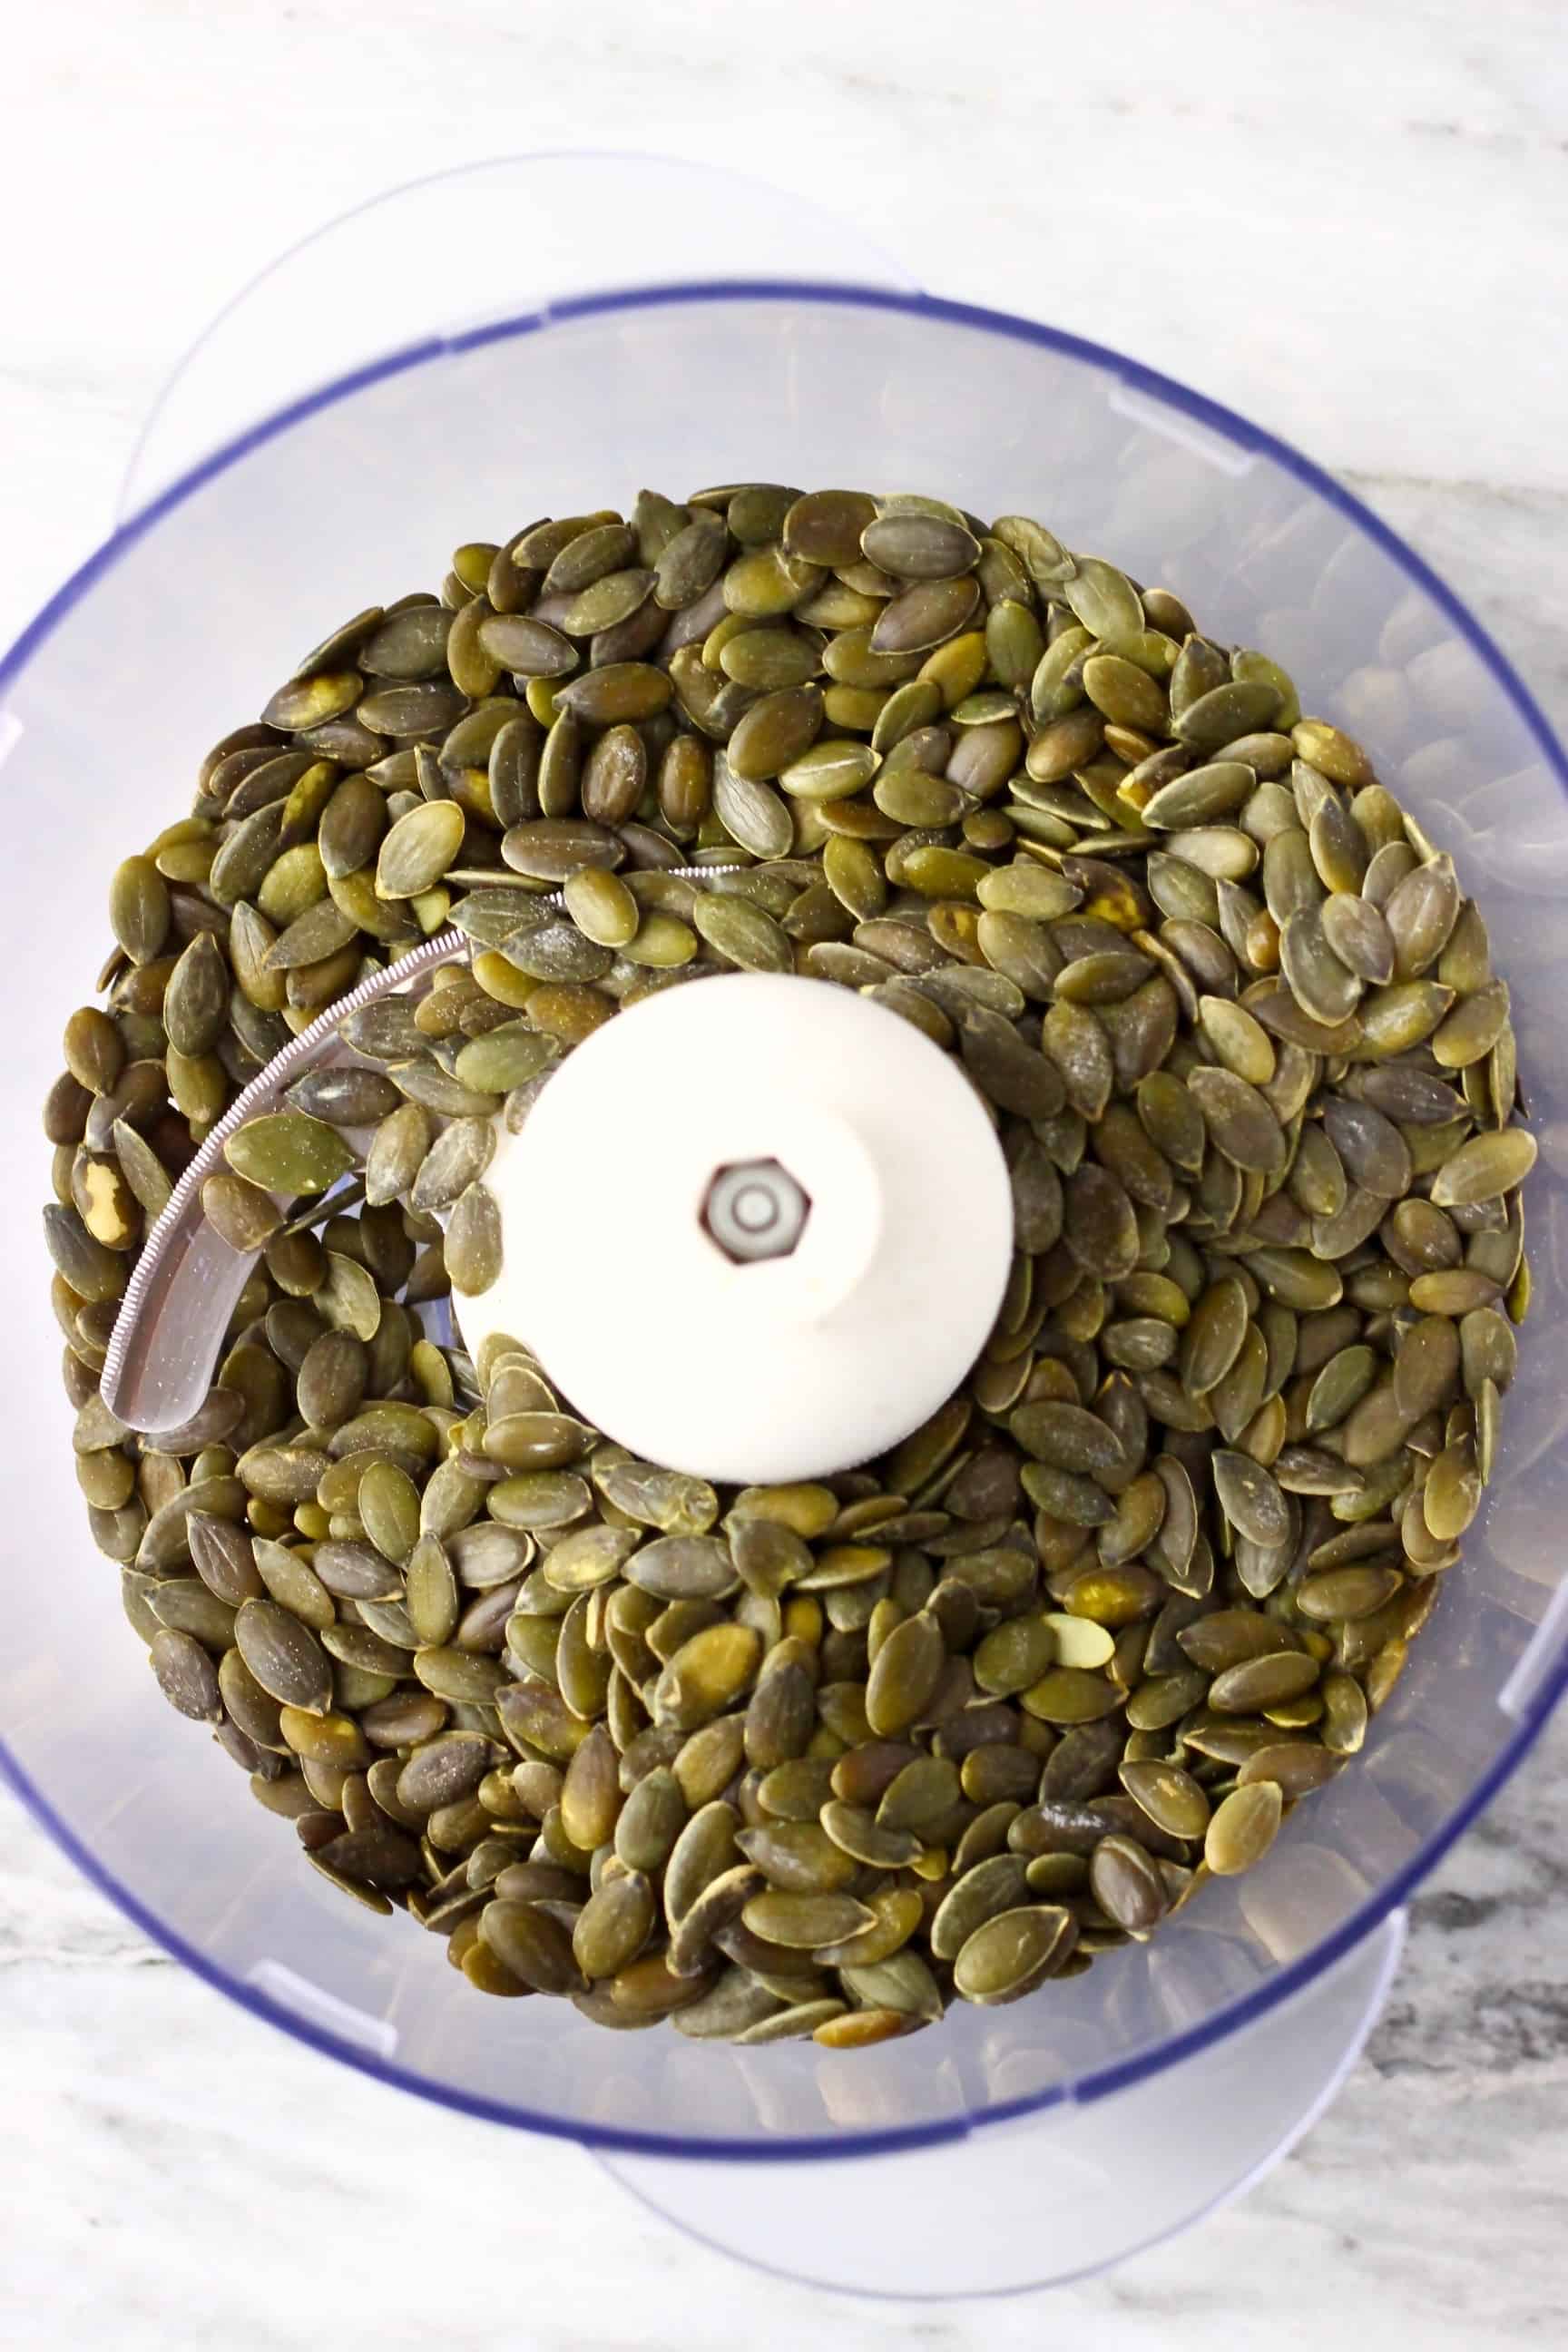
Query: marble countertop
[1350,223]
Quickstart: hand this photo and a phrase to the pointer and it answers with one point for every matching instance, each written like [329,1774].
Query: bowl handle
[1052,2196]
[439,258]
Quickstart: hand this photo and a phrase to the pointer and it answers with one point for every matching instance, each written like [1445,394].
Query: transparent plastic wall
[181,631]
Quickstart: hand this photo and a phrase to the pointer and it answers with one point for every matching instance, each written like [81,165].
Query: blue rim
[1240,432]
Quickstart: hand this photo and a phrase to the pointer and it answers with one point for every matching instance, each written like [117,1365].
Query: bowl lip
[1248,2010]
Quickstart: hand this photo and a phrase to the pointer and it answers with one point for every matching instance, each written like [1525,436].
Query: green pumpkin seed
[239,1213]
[473,1244]
[1239,1121]
[284,1657]
[805,1922]
[1170,1798]
[1255,1684]
[1473,1028]
[186,1675]
[1125,1881]
[743,935]
[1485,1169]
[1345,1713]
[1243,1828]
[904,1675]
[1071,1694]
[1013,1952]
[288,1152]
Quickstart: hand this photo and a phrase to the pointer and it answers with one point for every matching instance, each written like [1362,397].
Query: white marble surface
[1352,222]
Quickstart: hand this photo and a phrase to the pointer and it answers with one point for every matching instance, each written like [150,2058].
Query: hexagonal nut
[754,1209]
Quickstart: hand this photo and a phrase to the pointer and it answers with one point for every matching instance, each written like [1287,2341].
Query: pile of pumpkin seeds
[814,1759]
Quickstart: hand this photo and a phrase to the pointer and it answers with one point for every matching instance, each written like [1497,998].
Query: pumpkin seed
[1485,1169]
[288,1152]
[284,1657]
[1243,1828]
[1013,1952]
[1125,1881]
[1171,1799]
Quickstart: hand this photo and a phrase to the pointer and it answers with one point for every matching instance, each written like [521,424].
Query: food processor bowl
[1172,2071]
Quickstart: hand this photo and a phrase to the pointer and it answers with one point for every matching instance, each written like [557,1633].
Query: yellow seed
[707,1674]
[1296,1714]
[185,828]
[802,1618]
[855,706]
[498,979]
[432,1372]
[1335,755]
[957,667]
[857,2028]
[1265,1433]
[733,624]
[296,880]
[1384,1672]
[1517,1298]
[187,861]
[331,1739]
[107,1204]
[479,1965]
[1081,1642]
[809,1510]
[602,906]
[663,942]
[1243,1827]
[1111,900]
[1263,942]
[306,804]
[567,1010]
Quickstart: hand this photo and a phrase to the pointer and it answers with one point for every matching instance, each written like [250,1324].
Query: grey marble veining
[1349,222]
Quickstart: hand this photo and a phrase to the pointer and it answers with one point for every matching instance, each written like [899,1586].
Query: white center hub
[754,1228]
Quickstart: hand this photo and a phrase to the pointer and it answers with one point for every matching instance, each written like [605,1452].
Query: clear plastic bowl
[183,622]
